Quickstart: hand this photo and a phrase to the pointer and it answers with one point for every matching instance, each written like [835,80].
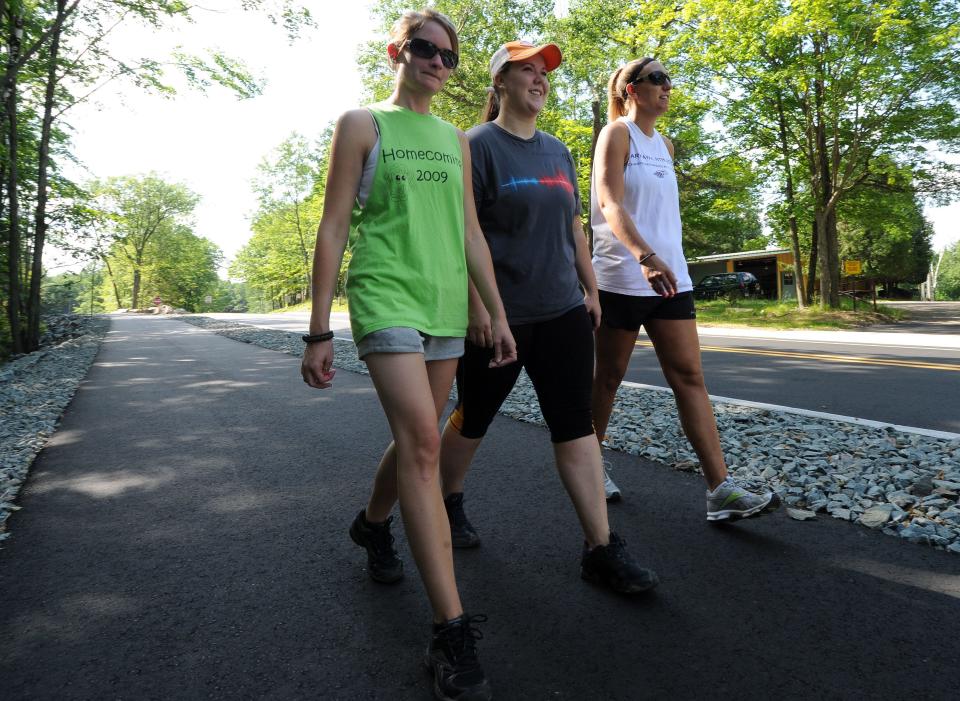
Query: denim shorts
[401,339]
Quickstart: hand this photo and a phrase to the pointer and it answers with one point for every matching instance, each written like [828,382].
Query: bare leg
[614,348]
[410,392]
[581,471]
[456,454]
[678,349]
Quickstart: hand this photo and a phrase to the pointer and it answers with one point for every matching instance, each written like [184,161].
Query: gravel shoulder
[34,391]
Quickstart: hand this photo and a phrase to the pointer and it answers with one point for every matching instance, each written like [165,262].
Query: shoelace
[382,540]
[462,639]
[617,548]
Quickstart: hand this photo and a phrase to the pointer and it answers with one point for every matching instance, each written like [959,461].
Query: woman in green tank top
[418,237]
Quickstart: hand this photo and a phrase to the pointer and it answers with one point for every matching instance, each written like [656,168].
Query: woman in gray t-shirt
[524,184]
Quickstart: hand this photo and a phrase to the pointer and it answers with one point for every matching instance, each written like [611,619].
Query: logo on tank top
[644,159]
[660,173]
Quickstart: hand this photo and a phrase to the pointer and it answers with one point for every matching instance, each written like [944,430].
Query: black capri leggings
[558,357]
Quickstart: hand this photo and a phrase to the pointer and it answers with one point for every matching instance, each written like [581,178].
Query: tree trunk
[113,282]
[824,211]
[43,161]
[791,204]
[304,252]
[13,209]
[812,268]
[597,126]
[134,297]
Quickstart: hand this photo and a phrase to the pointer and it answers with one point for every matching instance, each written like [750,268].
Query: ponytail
[491,109]
[616,105]
[492,106]
[617,87]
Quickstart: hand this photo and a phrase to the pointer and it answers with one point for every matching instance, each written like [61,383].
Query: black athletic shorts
[629,312]
[558,357]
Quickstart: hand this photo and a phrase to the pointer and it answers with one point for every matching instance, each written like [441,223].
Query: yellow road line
[917,364]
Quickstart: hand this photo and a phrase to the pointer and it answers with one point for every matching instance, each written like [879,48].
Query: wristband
[318,338]
[642,260]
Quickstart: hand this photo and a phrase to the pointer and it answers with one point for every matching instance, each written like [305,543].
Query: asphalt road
[184,536]
[910,386]
[907,378]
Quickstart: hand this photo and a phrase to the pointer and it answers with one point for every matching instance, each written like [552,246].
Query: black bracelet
[642,260]
[318,338]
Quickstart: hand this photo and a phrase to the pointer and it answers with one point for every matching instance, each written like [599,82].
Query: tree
[884,227]
[56,58]
[948,277]
[140,211]
[288,190]
[830,89]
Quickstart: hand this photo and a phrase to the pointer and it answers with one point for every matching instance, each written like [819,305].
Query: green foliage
[149,249]
[832,89]
[57,56]
[886,230]
[74,292]
[276,261]
[948,279]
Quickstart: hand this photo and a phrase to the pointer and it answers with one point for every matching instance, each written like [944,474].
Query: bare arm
[480,267]
[353,138]
[611,155]
[585,273]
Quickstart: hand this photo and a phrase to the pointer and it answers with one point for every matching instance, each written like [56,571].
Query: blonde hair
[412,21]
[617,87]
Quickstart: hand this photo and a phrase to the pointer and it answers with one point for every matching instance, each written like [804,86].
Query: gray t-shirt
[526,195]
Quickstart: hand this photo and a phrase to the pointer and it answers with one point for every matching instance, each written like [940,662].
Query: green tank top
[408,266]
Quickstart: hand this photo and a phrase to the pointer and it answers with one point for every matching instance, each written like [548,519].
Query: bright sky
[213,142]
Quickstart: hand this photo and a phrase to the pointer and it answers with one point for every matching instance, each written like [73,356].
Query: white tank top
[651,198]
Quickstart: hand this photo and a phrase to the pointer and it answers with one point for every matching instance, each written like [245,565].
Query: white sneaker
[610,487]
[729,502]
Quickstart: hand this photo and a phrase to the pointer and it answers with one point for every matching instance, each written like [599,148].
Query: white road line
[946,435]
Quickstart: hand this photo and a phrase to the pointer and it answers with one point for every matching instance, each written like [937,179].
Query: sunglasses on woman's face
[655,78]
[422,48]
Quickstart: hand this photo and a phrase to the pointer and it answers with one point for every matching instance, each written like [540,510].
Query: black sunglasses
[655,78]
[427,49]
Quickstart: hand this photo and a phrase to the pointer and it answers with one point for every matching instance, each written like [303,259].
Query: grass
[339,305]
[766,313]
[763,313]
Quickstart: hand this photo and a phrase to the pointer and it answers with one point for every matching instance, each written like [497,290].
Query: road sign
[157,301]
[851,267]
[208,299]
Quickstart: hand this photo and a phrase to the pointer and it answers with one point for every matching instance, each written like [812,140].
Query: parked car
[729,285]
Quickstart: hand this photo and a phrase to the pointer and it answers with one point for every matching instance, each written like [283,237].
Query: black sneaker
[452,655]
[614,567]
[382,561]
[462,533]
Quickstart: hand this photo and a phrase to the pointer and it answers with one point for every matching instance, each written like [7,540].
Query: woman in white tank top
[642,274]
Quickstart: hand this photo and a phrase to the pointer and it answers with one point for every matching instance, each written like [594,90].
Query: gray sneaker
[729,502]
[610,487]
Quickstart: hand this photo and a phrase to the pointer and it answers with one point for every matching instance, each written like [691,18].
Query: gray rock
[877,516]
[801,514]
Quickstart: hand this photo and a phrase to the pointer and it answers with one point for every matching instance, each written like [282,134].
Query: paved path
[183,536]
[925,317]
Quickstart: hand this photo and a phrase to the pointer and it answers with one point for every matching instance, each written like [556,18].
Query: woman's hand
[659,276]
[592,303]
[504,347]
[317,366]
[479,328]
